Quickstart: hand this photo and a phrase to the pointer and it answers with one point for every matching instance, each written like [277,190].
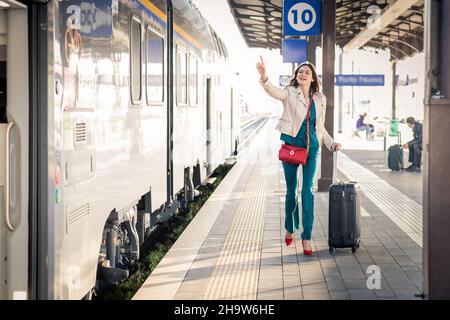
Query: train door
[208,127]
[14,127]
[2,68]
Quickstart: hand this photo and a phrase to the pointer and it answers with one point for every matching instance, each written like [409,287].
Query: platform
[234,247]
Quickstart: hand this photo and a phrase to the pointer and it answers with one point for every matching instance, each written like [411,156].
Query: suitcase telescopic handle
[343,220]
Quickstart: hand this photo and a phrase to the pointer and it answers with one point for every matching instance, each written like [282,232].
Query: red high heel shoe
[306,252]
[288,241]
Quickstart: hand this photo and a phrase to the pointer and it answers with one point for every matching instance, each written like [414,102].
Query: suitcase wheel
[331,250]
[354,249]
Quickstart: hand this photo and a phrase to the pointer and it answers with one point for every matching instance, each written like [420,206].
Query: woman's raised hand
[262,69]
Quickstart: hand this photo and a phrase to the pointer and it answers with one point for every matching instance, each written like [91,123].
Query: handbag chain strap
[307,122]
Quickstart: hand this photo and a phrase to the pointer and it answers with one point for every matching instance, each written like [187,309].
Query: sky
[244,59]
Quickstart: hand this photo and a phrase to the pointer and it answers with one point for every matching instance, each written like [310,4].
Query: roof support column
[312,44]
[341,91]
[353,92]
[436,224]
[329,40]
[394,89]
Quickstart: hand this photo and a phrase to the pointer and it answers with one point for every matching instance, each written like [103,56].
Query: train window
[154,66]
[193,81]
[136,72]
[181,77]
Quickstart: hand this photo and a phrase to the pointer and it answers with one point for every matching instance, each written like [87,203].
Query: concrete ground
[234,247]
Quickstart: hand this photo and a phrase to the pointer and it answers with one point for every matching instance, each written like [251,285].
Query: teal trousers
[291,205]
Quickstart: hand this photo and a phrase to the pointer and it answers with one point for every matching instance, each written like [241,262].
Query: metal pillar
[436,220]
[341,98]
[353,93]
[329,40]
[394,86]
[170,101]
[41,260]
[312,44]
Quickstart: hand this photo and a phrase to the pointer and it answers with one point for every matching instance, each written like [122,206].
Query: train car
[112,112]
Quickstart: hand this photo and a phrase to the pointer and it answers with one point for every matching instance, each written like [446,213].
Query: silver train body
[111,107]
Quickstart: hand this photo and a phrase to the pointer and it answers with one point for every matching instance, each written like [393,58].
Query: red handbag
[296,155]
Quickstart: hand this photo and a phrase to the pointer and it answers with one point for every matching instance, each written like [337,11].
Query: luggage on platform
[395,155]
[344,229]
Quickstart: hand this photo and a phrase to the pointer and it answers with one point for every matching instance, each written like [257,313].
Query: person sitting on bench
[361,125]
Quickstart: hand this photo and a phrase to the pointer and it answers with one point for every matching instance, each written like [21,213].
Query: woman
[292,125]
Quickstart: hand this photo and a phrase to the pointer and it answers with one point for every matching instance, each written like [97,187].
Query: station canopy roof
[400,30]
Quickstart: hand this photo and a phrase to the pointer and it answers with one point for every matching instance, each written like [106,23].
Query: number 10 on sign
[306,16]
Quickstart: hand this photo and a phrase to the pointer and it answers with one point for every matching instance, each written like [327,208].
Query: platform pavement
[234,247]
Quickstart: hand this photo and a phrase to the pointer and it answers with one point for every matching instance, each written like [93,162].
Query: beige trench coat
[295,107]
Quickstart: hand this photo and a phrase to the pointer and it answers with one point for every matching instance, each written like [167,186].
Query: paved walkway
[234,248]
[409,183]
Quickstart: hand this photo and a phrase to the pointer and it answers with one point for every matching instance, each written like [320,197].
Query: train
[112,113]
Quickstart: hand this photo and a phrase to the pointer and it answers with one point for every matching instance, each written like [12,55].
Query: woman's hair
[315,86]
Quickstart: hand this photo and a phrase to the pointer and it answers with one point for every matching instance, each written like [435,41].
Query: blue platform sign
[294,50]
[284,80]
[302,17]
[360,80]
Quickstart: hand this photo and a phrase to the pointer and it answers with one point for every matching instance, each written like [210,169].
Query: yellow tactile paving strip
[402,210]
[235,274]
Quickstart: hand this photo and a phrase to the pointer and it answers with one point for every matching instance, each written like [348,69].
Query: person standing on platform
[415,145]
[295,97]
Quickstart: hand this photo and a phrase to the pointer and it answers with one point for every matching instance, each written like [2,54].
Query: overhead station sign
[360,80]
[294,51]
[302,17]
